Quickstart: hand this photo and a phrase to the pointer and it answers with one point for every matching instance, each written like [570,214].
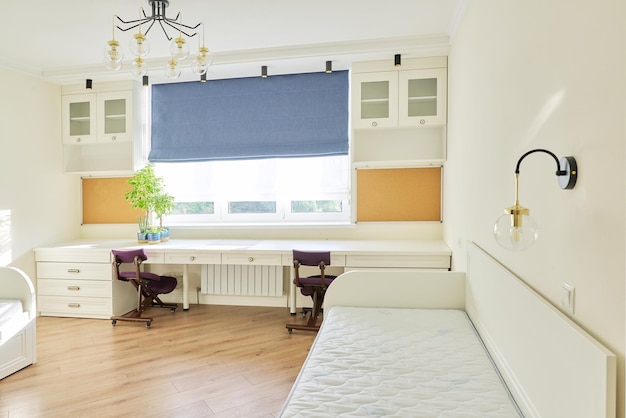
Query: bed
[450,344]
[17,321]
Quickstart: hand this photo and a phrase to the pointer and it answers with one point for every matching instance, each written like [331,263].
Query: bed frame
[552,367]
[19,349]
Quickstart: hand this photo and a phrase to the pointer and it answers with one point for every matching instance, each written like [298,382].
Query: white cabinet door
[115,116]
[422,97]
[79,118]
[375,100]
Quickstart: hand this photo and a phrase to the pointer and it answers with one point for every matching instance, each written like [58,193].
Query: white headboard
[552,366]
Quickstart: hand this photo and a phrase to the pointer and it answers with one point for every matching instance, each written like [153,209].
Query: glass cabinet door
[376,100]
[114,116]
[79,119]
[422,97]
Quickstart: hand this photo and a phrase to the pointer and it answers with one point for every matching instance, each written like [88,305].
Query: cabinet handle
[77,139]
[374,124]
[192,258]
[73,270]
[73,305]
[73,288]
[250,259]
[113,138]
[422,121]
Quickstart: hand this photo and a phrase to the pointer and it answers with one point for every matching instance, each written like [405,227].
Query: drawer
[81,271]
[80,307]
[335,260]
[192,257]
[73,288]
[72,254]
[252,258]
[414,261]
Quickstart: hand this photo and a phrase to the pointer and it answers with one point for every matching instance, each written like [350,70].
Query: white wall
[42,204]
[544,74]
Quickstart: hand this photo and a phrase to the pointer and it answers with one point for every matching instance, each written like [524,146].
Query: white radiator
[242,280]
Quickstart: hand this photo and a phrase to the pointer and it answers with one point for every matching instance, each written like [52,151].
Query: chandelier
[140,46]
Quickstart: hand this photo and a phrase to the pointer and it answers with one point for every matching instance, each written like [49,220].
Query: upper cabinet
[102,130]
[399,114]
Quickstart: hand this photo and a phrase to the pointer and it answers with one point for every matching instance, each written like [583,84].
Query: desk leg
[292,292]
[185,287]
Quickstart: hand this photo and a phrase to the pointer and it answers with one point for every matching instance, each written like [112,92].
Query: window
[254,150]
[289,190]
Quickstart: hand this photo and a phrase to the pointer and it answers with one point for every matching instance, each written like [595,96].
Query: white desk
[55,262]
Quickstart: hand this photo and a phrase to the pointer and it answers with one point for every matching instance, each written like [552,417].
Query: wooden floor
[210,361]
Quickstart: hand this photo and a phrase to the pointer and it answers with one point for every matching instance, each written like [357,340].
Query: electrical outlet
[567,297]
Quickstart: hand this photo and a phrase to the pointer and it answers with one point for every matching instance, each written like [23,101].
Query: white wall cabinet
[103,130]
[399,114]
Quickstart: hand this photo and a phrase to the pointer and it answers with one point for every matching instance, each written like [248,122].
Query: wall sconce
[397,60]
[145,81]
[516,230]
[88,84]
[264,71]
[329,67]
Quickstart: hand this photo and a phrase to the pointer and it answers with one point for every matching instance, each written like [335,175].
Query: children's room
[321,209]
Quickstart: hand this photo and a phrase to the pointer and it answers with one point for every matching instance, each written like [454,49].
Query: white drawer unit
[80,289]
[252,258]
[192,257]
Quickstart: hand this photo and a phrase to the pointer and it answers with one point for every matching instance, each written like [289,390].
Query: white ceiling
[63,40]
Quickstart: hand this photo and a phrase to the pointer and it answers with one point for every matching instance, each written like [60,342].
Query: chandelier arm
[149,27]
[164,31]
[175,24]
[130,22]
[177,28]
[559,172]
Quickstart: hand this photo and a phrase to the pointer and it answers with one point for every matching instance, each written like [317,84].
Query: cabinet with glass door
[102,130]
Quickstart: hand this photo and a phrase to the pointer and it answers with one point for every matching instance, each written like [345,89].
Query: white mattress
[385,362]
[12,318]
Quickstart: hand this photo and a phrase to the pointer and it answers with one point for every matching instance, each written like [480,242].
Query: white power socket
[567,297]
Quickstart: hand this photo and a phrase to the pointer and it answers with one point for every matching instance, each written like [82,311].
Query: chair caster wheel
[113,322]
[148,324]
[289,330]
[172,310]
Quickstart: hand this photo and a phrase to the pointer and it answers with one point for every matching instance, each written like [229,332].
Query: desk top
[337,247]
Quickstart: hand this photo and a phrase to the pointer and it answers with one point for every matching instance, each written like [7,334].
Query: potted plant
[143,195]
[153,235]
[163,205]
[142,237]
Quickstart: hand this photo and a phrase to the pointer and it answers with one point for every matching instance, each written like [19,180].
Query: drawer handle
[192,258]
[73,305]
[73,288]
[250,259]
[73,270]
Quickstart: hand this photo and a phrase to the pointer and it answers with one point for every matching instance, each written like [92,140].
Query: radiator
[242,280]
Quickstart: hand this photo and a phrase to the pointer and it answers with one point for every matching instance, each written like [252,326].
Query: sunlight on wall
[549,107]
[5,237]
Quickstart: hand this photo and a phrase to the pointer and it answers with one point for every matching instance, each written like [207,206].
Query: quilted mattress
[387,362]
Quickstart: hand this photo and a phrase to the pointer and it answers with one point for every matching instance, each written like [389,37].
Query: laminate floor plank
[209,361]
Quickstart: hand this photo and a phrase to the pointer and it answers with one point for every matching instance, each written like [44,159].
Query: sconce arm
[559,172]
[566,169]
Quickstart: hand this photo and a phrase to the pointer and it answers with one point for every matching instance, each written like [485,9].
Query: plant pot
[153,237]
[165,234]
[142,238]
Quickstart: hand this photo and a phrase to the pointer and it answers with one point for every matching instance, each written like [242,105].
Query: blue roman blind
[293,115]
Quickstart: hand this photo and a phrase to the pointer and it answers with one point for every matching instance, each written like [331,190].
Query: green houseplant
[163,205]
[145,194]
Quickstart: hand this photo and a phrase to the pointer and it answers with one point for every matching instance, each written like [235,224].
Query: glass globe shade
[515,238]
[171,70]
[138,68]
[111,65]
[139,46]
[179,49]
[113,53]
